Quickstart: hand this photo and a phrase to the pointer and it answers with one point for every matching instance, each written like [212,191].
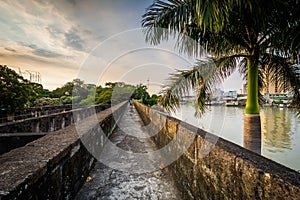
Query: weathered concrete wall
[9,141]
[56,165]
[51,122]
[34,112]
[227,172]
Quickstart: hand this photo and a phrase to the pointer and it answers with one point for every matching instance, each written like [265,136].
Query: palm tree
[257,37]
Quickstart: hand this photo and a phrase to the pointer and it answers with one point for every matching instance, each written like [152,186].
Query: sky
[95,40]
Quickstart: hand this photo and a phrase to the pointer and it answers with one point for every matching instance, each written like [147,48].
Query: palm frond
[213,15]
[164,18]
[284,74]
[265,31]
[196,33]
[202,79]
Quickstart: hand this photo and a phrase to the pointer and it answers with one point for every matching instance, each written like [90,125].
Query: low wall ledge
[51,167]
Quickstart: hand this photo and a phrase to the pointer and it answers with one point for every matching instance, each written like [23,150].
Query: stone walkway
[120,180]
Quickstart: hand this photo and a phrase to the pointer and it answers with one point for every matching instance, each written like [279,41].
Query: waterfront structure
[58,164]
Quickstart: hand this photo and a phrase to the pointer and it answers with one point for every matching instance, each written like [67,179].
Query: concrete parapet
[214,168]
[50,122]
[34,112]
[56,165]
[9,141]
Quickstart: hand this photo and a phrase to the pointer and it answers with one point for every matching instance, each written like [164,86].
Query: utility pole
[148,84]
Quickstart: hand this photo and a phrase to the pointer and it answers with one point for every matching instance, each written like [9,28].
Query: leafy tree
[74,91]
[90,99]
[16,93]
[118,91]
[140,93]
[151,100]
[46,101]
[114,93]
[65,90]
[39,90]
[103,95]
[122,92]
[254,36]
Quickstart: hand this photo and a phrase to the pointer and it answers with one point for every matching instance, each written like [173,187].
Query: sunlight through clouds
[56,37]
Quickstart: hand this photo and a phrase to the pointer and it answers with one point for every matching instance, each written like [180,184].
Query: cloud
[73,2]
[10,49]
[40,51]
[72,39]
[46,53]
[56,36]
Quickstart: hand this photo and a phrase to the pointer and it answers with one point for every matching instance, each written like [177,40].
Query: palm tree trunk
[252,106]
[252,126]
[252,133]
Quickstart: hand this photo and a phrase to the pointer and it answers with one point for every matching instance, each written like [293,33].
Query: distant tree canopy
[74,91]
[119,91]
[17,93]
[112,93]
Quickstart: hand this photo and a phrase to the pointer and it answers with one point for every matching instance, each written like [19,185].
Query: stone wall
[50,122]
[228,171]
[56,165]
[9,141]
[34,112]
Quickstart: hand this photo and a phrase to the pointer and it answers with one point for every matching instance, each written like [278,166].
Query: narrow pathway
[112,183]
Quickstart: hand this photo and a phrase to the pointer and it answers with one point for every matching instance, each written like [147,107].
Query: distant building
[232,94]
[218,94]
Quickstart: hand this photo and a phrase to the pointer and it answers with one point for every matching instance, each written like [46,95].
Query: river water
[280,129]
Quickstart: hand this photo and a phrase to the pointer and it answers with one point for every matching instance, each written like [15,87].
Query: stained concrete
[56,165]
[124,182]
[214,168]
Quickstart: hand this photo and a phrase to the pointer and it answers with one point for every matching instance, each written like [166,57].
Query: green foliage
[151,100]
[114,93]
[74,91]
[16,93]
[46,101]
[39,90]
[140,92]
[118,92]
[103,95]
[122,92]
[248,35]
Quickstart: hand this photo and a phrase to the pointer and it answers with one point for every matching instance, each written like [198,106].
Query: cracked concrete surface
[111,183]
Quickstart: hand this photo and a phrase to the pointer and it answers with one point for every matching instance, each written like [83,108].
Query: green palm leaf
[254,36]
[202,79]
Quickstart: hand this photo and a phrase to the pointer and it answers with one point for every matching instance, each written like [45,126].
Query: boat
[236,102]
[232,103]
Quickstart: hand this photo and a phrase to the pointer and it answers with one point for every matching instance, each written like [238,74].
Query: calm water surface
[280,129]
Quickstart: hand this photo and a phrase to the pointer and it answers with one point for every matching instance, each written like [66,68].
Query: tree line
[17,93]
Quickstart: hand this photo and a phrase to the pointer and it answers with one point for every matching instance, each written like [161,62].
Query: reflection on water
[276,128]
[280,129]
